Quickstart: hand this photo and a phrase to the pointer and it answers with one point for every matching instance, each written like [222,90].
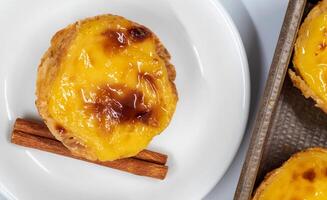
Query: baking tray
[286,122]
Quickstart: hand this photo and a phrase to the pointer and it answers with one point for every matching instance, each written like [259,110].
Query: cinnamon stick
[40,129]
[131,165]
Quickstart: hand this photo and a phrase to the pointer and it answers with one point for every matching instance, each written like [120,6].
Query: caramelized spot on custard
[61,130]
[119,104]
[138,33]
[309,175]
[114,40]
[325,171]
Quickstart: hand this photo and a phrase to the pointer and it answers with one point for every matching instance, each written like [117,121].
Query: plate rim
[247,84]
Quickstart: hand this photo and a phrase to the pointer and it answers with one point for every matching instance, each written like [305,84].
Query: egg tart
[105,87]
[310,56]
[303,176]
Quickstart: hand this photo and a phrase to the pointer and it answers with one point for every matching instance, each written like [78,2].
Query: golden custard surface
[303,177]
[310,58]
[112,89]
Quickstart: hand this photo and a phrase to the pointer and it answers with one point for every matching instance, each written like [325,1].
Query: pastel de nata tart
[302,177]
[310,56]
[105,87]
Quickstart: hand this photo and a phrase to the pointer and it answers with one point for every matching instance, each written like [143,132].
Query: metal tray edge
[269,99]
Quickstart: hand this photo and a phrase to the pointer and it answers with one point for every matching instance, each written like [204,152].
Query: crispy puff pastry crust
[299,83]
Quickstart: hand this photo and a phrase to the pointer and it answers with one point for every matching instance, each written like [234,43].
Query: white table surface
[259,23]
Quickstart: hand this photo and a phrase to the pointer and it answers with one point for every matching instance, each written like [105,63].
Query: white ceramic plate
[212,81]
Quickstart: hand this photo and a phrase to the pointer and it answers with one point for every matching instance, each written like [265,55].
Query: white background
[259,23]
